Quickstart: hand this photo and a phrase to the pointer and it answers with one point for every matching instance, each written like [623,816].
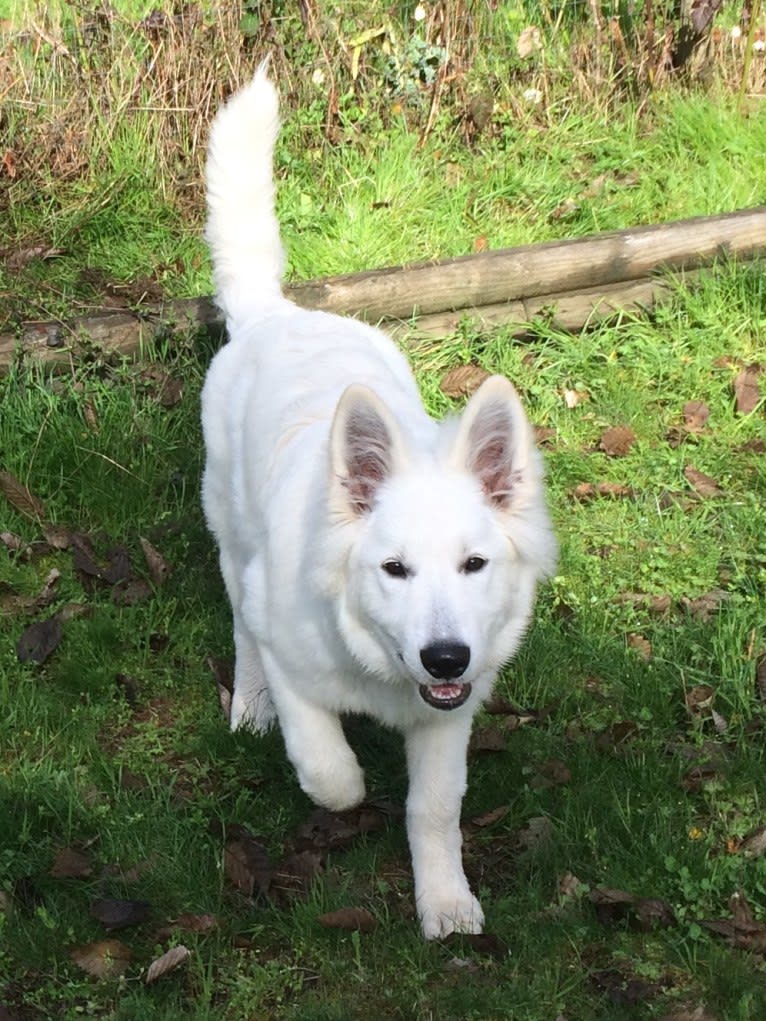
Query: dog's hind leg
[251,704]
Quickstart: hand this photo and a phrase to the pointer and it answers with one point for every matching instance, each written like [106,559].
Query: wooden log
[536,276]
[568,312]
[508,274]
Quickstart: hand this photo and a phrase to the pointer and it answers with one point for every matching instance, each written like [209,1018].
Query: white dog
[376,561]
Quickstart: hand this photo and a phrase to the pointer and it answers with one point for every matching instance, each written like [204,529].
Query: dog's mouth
[445,696]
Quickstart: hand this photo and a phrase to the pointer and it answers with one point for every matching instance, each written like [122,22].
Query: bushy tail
[242,228]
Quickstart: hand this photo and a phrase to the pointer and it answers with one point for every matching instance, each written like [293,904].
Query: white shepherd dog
[376,561]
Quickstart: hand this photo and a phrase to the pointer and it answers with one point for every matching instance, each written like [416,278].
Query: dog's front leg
[436,758]
[316,745]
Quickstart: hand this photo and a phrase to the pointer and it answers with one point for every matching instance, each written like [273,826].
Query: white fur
[311,485]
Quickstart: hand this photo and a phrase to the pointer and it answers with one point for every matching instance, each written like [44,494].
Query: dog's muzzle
[445,662]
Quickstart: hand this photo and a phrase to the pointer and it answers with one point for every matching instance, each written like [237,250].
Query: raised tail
[242,228]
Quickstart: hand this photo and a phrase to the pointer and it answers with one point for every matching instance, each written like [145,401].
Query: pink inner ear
[368,458]
[490,457]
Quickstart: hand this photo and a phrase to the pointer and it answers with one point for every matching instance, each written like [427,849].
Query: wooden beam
[571,282]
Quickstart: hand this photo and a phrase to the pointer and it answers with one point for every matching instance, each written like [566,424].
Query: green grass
[117,745]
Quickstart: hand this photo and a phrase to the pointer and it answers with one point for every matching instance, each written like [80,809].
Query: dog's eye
[395,568]
[473,564]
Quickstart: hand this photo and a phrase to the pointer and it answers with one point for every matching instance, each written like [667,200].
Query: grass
[116,745]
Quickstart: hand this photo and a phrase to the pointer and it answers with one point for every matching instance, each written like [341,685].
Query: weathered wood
[508,274]
[572,281]
[568,311]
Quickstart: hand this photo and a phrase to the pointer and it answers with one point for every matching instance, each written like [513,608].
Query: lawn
[614,823]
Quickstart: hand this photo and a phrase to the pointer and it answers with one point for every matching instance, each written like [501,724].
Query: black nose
[445,660]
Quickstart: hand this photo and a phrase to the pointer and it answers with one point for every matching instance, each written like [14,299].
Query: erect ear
[365,449]
[494,441]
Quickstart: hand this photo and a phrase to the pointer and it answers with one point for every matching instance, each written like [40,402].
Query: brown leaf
[611,905]
[39,641]
[704,606]
[171,391]
[642,646]
[696,414]
[106,958]
[615,737]
[247,865]
[294,875]
[754,844]
[702,484]
[21,257]
[552,773]
[20,497]
[168,962]
[643,601]
[584,492]
[349,919]
[485,943]
[131,592]
[490,818]
[115,913]
[188,923]
[491,738]
[653,913]
[223,673]
[545,436]
[70,863]
[529,41]
[537,832]
[574,397]
[689,1014]
[58,536]
[697,777]
[617,441]
[747,394]
[699,698]
[463,380]
[159,568]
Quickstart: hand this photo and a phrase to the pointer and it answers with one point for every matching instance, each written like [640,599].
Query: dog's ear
[494,442]
[365,449]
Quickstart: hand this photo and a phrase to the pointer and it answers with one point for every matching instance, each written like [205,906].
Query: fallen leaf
[106,958]
[490,818]
[463,380]
[614,738]
[552,773]
[545,436]
[492,738]
[643,601]
[754,844]
[159,568]
[622,990]
[58,536]
[115,913]
[568,208]
[247,865]
[611,905]
[642,646]
[39,641]
[529,42]
[188,923]
[349,919]
[697,777]
[569,887]
[584,492]
[132,592]
[699,698]
[537,832]
[696,415]
[617,441]
[223,673]
[653,913]
[689,1014]
[760,677]
[704,606]
[747,393]
[702,484]
[294,876]
[574,397]
[70,863]
[20,497]
[6,1015]
[168,962]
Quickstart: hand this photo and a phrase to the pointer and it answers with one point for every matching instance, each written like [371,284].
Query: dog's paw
[449,910]
[338,785]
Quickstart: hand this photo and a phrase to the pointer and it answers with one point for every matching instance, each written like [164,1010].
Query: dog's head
[442,549]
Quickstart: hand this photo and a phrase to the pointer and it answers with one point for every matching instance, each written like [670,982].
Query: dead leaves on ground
[113,569]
